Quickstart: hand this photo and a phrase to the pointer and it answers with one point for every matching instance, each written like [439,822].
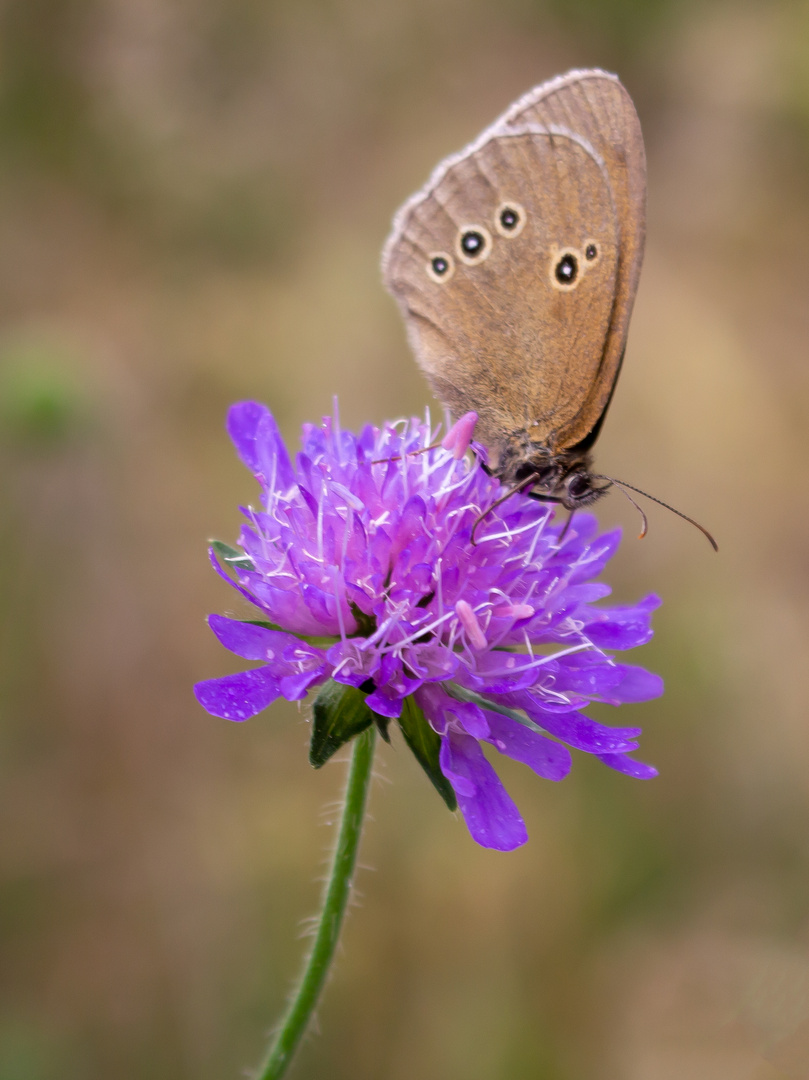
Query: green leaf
[425,744]
[340,713]
[232,556]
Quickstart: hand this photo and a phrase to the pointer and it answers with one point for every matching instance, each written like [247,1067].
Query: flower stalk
[335,898]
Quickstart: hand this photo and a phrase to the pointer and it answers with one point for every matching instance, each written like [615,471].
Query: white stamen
[540,661]
[335,580]
[540,529]
[418,633]
[320,527]
[271,490]
[509,534]
[346,527]
[381,632]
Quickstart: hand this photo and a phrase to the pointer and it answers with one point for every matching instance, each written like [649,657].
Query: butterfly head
[561,477]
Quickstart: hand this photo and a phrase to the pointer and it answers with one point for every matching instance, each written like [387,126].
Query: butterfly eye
[578,486]
[565,270]
[440,267]
[509,219]
[474,244]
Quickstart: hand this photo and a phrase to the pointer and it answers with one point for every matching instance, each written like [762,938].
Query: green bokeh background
[193,196]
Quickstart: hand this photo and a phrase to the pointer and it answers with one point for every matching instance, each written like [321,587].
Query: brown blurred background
[193,196]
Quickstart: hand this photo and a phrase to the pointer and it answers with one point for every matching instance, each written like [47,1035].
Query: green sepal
[232,556]
[382,725]
[340,713]
[311,639]
[425,744]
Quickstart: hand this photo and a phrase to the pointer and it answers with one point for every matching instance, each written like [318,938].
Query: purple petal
[624,764]
[547,758]
[294,664]
[392,687]
[226,577]
[410,526]
[480,452]
[240,696]
[385,702]
[588,592]
[576,729]
[499,673]
[286,607]
[297,685]
[432,662]
[587,673]
[273,459]
[322,607]
[471,717]
[622,627]
[637,684]
[242,424]
[352,664]
[259,444]
[593,557]
[488,810]
[253,642]
[583,733]
[596,676]
[309,500]
[433,702]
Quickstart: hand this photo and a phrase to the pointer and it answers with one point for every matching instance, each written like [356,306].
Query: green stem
[338,889]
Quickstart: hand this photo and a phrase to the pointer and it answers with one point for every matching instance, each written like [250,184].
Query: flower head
[360,559]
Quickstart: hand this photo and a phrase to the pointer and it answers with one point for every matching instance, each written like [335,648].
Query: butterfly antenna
[622,485]
[644,521]
[511,491]
[408,453]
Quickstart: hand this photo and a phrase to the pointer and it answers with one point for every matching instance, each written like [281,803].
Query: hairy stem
[335,898]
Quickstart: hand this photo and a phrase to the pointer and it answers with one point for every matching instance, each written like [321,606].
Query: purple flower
[368,585]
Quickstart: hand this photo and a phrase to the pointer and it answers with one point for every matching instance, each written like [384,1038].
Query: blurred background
[193,196]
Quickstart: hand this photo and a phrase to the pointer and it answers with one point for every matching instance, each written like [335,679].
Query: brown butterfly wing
[596,106]
[502,335]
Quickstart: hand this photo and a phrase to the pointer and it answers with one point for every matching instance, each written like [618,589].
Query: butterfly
[516,267]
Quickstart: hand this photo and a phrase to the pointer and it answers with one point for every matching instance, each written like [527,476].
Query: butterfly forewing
[595,106]
[529,331]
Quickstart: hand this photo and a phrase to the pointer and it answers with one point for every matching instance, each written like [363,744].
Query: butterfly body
[516,267]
